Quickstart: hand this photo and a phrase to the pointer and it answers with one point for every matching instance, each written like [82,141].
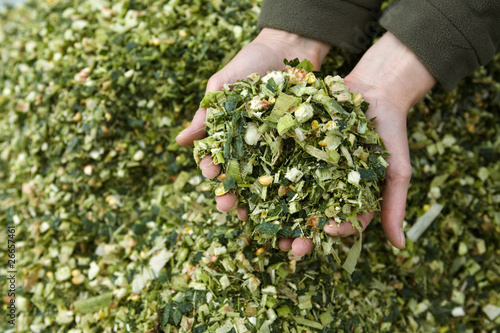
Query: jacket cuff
[434,39]
[347,24]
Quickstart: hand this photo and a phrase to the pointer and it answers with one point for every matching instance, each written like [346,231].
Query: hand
[392,79]
[266,52]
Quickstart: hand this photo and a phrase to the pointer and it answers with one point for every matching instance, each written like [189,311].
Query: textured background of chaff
[114,231]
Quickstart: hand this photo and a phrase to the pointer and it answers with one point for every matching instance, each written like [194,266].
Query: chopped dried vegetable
[296,149]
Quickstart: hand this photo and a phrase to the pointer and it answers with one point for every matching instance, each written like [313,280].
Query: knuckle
[215,82]
[400,173]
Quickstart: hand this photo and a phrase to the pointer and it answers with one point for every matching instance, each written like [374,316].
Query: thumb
[393,205]
[196,130]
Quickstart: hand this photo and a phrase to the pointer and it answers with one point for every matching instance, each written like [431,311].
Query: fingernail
[402,240]
[292,256]
[331,230]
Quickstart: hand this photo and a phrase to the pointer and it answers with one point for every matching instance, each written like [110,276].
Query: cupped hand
[392,79]
[389,76]
[390,124]
[266,52]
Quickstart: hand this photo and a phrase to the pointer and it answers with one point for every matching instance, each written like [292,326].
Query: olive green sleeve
[451,37]
[348,24]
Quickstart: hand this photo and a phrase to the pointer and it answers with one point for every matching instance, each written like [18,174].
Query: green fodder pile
[115,232]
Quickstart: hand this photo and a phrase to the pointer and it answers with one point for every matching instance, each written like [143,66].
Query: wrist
[292,46]
[390,72]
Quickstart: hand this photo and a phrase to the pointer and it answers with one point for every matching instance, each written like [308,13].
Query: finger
[346,228]
[208,168]
[302,246]
[242,213]
[225,202]
[195,131]
[397,179]
[391,126]
[285,244]
[393,206]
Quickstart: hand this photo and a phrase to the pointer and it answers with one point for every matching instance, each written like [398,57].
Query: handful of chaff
[296,149]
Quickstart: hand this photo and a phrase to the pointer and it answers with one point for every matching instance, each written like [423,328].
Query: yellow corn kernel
[78,280]
[112,200]
[77,117]
[221,177]
[322,143]
[259,251]
[314,124]
[154,41]
[265,180]
[220,190]
[272,100]
[311,78]
[357,99]
[426,207]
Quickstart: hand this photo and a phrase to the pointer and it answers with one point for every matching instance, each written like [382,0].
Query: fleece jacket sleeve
[451,37]
[348,24]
